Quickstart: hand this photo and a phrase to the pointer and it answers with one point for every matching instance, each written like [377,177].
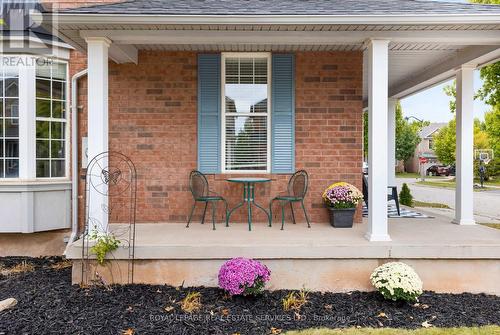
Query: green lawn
[415,175]
[490,330]
[417,203]
[449,184]
[491,225]
[407,175]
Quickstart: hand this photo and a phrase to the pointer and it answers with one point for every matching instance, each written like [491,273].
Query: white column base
[377,238]
[464,222]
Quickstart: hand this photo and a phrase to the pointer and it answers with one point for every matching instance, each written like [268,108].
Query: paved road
[486,203]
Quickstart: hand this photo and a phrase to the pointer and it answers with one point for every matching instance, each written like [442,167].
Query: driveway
[486,203]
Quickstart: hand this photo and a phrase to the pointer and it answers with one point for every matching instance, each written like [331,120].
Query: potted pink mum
[341,200]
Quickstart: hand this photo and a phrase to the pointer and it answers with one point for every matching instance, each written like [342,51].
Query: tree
[407,137]
[491,2]
[490,74]
[492,128]
[445,141]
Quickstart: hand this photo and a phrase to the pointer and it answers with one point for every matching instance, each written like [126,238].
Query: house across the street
[425,148]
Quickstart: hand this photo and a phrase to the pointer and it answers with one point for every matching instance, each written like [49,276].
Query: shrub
[243,276]
[342,195]
[397,281]
[405,197]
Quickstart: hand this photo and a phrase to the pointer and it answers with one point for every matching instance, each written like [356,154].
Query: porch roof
[288,7]
[425,50]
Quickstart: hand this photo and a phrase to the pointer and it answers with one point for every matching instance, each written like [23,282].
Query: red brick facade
[153,119]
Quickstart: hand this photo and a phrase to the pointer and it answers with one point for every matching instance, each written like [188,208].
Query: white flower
[396,280]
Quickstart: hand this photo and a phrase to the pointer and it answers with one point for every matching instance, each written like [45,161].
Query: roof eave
[92,18]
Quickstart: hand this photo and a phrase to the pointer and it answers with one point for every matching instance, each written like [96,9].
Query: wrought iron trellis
[112,177]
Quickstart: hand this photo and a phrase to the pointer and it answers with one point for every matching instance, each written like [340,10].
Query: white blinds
[246,113]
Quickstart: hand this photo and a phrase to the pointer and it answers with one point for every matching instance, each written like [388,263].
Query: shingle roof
[430,129]
[287,7]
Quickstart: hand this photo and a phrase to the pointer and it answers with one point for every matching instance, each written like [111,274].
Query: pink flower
[241,275]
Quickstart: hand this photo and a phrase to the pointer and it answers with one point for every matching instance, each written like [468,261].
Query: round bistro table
[248,197]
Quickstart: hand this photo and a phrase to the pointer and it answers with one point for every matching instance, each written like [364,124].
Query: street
[486,203]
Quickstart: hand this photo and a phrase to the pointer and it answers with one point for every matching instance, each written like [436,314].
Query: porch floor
[435,238]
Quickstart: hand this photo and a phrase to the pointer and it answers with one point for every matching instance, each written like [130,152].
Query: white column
[391,143]
[97,57]
[378,82]
[464,193]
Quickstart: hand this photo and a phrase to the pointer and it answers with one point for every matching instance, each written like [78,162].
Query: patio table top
[248,180]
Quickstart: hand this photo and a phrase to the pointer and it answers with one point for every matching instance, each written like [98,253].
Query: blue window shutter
[209,113]
[283,114]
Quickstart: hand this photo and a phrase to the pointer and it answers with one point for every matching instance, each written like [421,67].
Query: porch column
[391,143]
[378,82]
[97,95]
[464,193]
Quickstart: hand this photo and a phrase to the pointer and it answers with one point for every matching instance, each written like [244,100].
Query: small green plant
[405,197]
[104,244]
[191,302]
[295,300]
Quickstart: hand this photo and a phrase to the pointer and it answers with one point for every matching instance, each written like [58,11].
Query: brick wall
[153,119]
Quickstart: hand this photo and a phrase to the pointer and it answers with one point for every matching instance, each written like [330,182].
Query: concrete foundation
[337,275]
[448,257]
[50,243]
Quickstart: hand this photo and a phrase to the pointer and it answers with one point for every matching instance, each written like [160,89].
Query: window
[9,122]
[431,143]
[245,112]
[51,120]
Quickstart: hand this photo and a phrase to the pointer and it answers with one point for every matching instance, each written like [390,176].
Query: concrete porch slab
[447,257]
[411,238]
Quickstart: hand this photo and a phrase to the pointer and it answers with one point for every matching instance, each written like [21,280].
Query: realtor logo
[26,27]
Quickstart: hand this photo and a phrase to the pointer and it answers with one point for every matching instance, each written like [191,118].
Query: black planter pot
[341,217]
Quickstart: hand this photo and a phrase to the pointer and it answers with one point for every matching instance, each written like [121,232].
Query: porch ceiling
[420,56]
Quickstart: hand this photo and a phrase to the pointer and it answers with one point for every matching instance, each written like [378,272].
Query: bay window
[9,122]
[245,112]
[51,120]
[33,118]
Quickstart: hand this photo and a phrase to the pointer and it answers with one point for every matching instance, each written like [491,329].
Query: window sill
[34,185]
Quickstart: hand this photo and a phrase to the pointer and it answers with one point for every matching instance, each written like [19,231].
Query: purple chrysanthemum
[243,276]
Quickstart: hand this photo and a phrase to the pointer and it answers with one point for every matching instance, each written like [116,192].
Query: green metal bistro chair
[297,189]
[198,185]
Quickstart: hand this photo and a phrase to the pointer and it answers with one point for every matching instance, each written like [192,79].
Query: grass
[18,268]
[64,264]
[415,175]
[295,300]
[191,302]
[448,184]
[491,225]
[418,203]
[489,330]
[407,175]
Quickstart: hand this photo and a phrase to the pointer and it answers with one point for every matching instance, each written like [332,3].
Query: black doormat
[49,304]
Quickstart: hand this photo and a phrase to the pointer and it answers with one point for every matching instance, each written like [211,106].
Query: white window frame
[67,128]
[225,55]
[27,124]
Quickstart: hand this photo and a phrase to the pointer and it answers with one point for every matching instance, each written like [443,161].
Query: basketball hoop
[484,155]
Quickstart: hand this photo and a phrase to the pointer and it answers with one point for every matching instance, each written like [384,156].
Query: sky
[433,104]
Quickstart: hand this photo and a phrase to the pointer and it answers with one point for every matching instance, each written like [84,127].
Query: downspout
[74,156]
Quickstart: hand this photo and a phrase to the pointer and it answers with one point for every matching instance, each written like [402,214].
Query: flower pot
[341,217]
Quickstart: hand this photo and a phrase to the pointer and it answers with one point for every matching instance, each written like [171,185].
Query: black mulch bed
[49,304]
